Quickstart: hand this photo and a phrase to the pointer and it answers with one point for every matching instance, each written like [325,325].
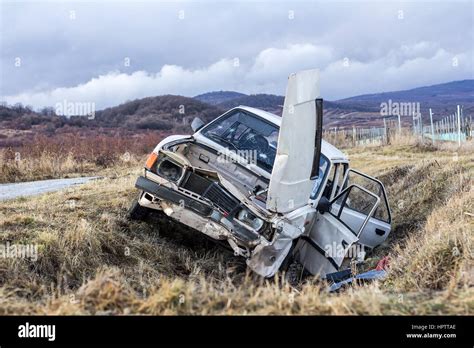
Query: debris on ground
[346,277]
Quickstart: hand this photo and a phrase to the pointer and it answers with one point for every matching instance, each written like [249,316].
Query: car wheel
[137,212]
[294,273]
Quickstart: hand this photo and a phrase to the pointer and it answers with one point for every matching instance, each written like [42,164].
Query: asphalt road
[32,188]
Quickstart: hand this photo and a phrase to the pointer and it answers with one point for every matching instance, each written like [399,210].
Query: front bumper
[207,212]
[262,256]
[173,196]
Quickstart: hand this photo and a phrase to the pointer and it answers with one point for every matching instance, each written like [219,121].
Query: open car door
[299,144]
[330,239]
[378,226]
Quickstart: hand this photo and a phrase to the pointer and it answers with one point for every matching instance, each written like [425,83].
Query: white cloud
[267,73]
[271,62]
[114,88]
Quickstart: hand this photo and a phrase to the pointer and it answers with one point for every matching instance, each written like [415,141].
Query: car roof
[330,151]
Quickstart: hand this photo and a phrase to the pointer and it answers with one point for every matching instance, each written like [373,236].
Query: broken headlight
[169,170]
[250,220]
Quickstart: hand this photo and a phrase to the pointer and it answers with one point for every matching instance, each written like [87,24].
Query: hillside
[219,97]
[170,113]
[442,98]
[269,102]
[163,115]
[457,91]
[364,110]
[335,114]
[162,112]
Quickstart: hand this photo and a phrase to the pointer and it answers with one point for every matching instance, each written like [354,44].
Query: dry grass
[94,261]
[73,155]
[345,138]
[54,165]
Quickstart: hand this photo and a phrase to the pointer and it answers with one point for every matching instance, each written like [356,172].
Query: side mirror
[197,124]
[324,206]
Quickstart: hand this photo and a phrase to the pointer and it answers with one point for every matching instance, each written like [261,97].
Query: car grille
[196,183]
[221,198]
[210,190]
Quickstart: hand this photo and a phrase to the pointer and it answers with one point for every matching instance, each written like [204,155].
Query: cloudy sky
[113,51]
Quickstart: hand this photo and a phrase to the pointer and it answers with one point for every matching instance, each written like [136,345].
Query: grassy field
[92,260]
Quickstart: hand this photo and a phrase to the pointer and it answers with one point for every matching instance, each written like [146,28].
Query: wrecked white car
[269,186]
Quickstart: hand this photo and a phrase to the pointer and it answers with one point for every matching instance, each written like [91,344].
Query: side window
[321,178]
[336,180]
[341,172]
[328,187]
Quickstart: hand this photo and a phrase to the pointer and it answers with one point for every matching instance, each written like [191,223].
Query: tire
[289,259]
[292,268]
[294,274]
[137,212]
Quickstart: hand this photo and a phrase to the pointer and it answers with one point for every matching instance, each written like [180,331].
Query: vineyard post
[459,125]
[353,136]
[432,127]
[420,126]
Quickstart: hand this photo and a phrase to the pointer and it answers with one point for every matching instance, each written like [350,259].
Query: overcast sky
[111,52]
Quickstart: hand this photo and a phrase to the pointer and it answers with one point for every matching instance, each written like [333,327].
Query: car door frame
[344,183]
[381,228]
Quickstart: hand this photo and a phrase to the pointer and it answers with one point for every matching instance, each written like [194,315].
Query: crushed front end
[191,184]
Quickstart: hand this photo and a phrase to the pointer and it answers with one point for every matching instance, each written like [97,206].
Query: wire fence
[451,128]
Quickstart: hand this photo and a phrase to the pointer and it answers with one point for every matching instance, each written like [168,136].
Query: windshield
[249,136]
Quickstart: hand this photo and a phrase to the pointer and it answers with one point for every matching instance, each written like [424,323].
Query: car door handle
[379,231]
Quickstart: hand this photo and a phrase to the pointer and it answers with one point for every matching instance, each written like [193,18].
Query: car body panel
[326,245]
[291,182]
